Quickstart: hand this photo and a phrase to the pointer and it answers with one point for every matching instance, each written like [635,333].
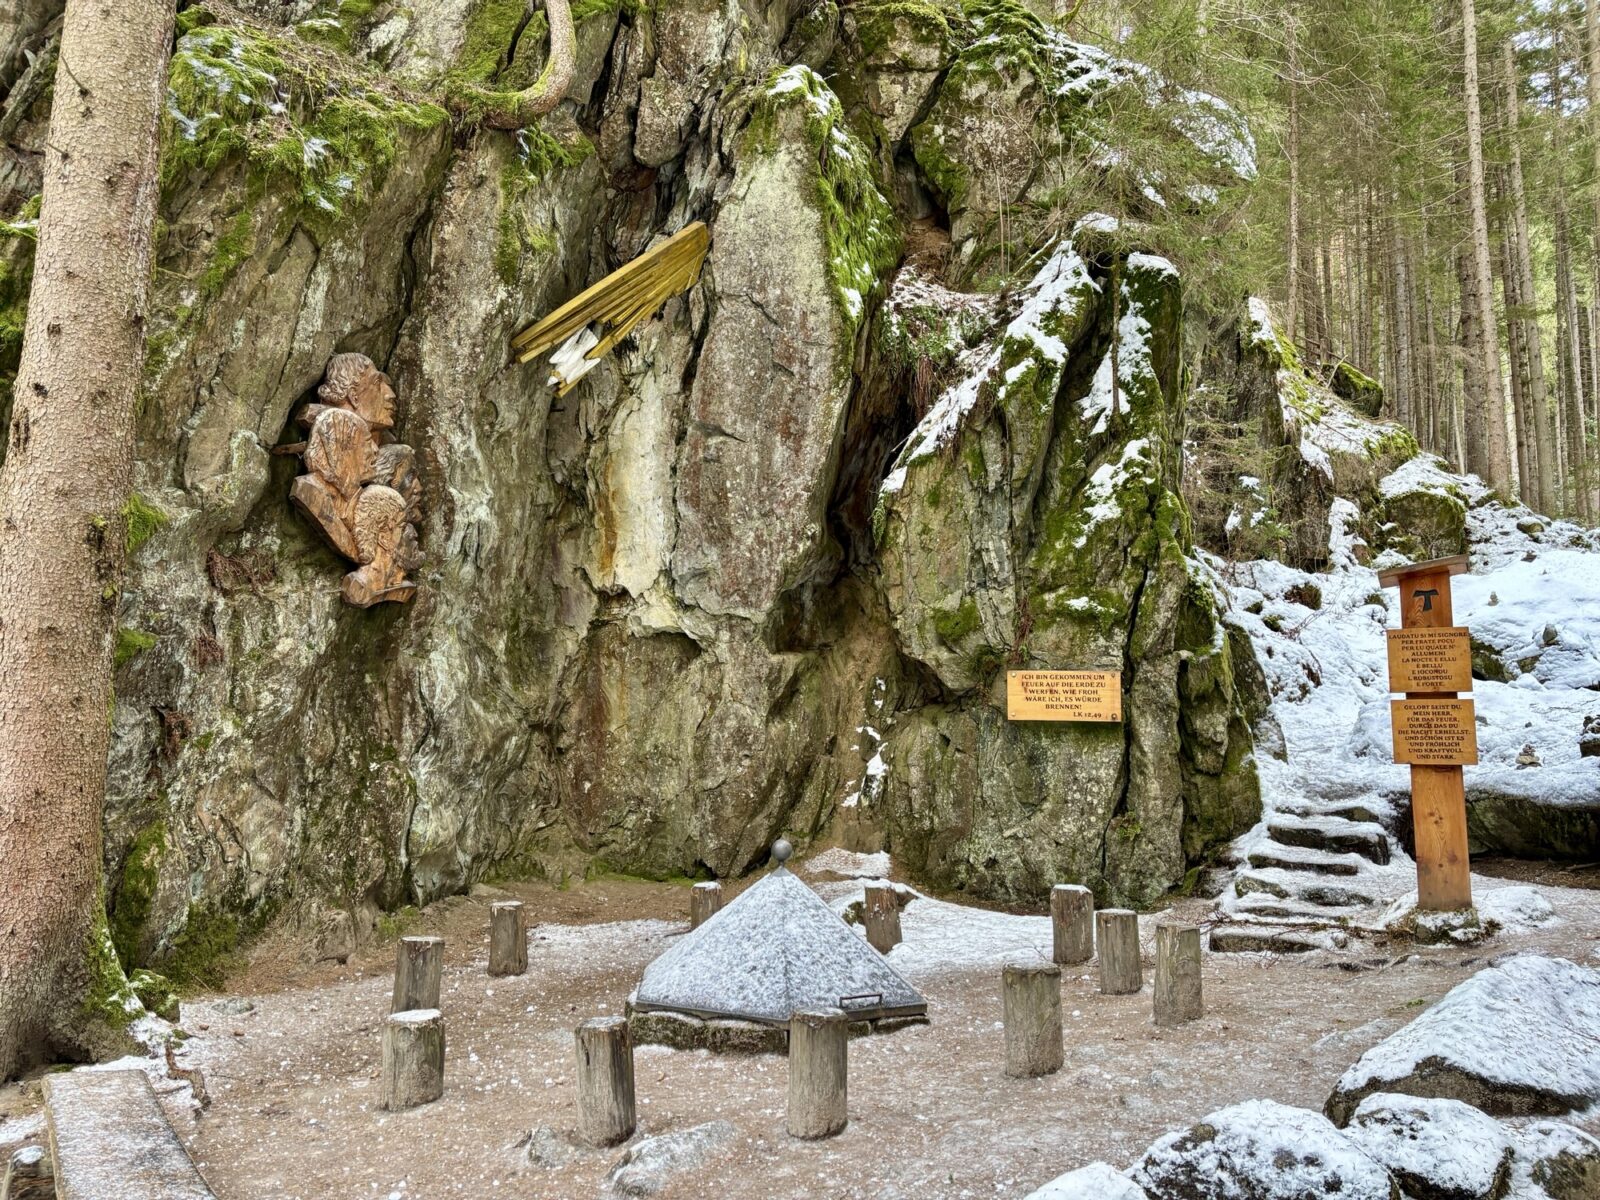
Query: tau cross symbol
[1427,597]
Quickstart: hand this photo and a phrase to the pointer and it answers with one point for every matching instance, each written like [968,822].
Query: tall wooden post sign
[1435,731]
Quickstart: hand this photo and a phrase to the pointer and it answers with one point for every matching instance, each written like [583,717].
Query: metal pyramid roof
[773,951]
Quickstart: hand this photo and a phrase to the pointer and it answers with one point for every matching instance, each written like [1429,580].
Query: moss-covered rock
[1424,523]
[891,55]
[1361,392]
[155,993]
[1032,521]
[1018,132]
[1273,439]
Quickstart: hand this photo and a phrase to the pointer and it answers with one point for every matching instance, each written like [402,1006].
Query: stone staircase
[1318,871]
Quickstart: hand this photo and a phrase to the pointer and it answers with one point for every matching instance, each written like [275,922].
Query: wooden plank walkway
[110,1140]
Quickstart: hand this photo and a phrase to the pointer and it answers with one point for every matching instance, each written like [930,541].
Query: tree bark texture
[1487,446]
[65,481]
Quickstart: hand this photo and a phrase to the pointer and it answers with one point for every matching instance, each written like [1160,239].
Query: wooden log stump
[705,899]
[1030,995]
[819,1070]
[605,1081]
[419,962]
[508,938]
[1177,989]
[1072,923]
[1117,934]
[413,1058]
[882,910]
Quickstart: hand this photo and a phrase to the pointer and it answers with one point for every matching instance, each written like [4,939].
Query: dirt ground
[293,1080]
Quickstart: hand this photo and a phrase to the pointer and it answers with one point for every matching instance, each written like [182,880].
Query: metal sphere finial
[781,851]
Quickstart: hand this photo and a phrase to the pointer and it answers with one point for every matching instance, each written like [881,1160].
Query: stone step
[1361,814]
[1333,834]
[1296,858]
[1272,909]
[1242,938]
[1299,885]
[109,1138]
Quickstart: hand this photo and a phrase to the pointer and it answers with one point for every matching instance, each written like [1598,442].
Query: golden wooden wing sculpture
[583,330]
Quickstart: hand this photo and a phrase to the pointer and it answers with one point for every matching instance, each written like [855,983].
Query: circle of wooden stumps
[413,1058]
[819,1067]
[1177,990]
[1117,933]
[419,963]
[1071,924]
[508,938]
[606,1112]
[882,916]
[705,899]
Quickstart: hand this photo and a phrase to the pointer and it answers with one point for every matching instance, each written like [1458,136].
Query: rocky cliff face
[762,572]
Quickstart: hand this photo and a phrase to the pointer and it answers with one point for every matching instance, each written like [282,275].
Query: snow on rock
[1554,1161]
[649,1165]
[1541,618]
[1057,288]
[1516,1039]
[1436,1149]
[1513,909]
[1097,1181]
[1261,1150]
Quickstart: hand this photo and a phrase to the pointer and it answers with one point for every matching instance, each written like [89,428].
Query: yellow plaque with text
[1430,660]
[1434,733]
[1064,695]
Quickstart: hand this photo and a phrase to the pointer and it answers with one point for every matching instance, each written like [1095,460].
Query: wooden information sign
[1064,695]
[1434,733]
[1430,660]
[1433,729]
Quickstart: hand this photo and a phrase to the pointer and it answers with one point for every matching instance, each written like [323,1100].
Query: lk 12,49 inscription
[1064,695]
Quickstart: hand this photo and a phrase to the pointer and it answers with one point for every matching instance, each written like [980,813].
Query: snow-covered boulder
[648,1166]
[1557,1161]
[1436,1149]
[1097,1181]
[1518,1039]
[1261,1150]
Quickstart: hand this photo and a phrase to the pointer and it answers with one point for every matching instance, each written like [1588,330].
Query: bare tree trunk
[1511,281]
[1429,433]
[62,539]
[1569,357]
[1292,316]
[1394,348]
[1592,22]
[1472,381]
[1536,487]
[1329,313]
[1487,447]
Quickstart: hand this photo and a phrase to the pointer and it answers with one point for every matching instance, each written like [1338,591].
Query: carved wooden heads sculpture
[360,489]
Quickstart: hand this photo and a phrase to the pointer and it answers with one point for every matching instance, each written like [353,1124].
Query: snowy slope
[1532,599]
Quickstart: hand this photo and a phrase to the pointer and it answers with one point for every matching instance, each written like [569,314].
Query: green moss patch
[108,999]
[130,644]
[297,114]
[142,520]
[861,235]
[136,890]
[202,954]
[539,154]
[880,23]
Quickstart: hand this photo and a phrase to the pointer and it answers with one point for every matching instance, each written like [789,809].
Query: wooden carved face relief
[360,490]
